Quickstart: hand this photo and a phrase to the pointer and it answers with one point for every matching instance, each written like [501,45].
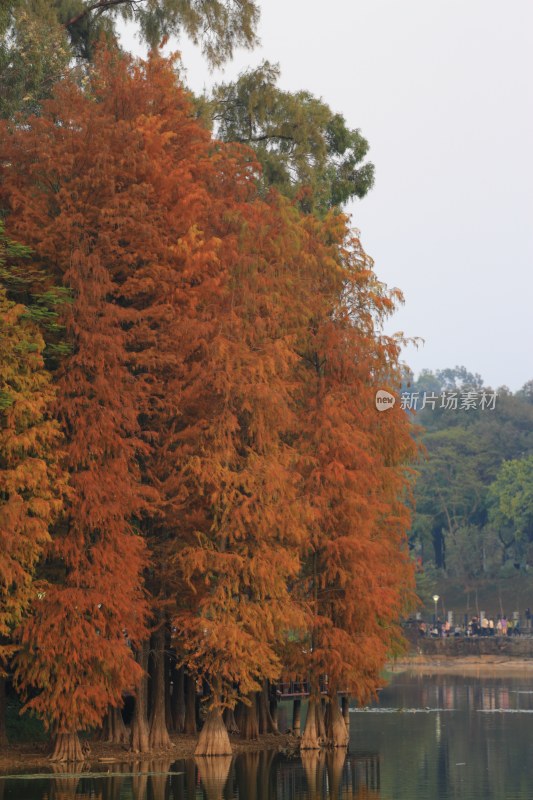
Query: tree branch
[100,5]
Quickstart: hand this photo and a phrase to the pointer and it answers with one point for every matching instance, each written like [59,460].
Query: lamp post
[435,600]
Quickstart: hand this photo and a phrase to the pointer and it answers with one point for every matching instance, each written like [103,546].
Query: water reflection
[267,775]
[430,738]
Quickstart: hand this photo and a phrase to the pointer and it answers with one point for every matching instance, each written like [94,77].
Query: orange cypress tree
[357,572]
[61,190]
[242,505]
[127,201]
[31,482]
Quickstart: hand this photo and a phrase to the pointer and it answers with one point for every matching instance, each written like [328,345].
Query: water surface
[429,738]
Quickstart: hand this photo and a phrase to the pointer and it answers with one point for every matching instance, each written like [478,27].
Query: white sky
[442,91]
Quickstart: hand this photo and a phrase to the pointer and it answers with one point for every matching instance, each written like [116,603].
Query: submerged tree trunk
[296,716]
[3,707]
[158,737]
[113,730]
[190,705]
[310,738]
[67,747]
[214,739]
[336,733]
[139,722]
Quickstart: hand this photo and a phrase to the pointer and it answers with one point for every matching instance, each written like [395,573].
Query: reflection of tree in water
[313,762]
[67,783]
[253,775]
[213,772]
[269,775]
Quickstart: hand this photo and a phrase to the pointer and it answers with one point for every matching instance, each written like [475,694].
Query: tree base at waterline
[67,747]
[214,739]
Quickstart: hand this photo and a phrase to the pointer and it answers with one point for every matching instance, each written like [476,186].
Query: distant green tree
[306,150]
[526,392]
[465,450]
[34,53]
[40,38]
[511,510]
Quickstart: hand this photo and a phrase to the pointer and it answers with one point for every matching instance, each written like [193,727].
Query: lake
[429,738]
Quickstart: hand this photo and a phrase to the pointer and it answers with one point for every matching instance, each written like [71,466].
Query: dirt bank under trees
[32,756]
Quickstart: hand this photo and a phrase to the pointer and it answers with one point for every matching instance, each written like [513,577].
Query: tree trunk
[67,747]
[3,708]
[177,700]
[273,703]
[296,716]
[230,721]
[113,730]
[139,722]
[214,739]
[310,738]
[345,705]
[266,723]
[158,737]
[320,719]
[336,734]
[190,705]
[169,672]
[249,725]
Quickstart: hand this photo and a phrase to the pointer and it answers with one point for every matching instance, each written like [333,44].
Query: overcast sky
[442,91]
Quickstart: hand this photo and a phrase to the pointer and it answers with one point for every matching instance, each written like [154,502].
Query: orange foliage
[31,481]
[219,398]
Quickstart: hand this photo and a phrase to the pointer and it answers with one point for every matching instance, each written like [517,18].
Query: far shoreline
[480,665]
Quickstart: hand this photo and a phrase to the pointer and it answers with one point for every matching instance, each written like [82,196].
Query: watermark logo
[384,400]
[466,400]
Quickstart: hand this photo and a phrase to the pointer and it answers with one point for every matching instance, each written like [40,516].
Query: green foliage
[465,450]
[34,53]
[305,150]
[40,38]
[511,497]
[43,302]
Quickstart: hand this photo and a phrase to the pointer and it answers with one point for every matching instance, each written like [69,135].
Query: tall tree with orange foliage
[357,573]
[60,189]
[218,399]
[243,491]
[130,206]
[31,481]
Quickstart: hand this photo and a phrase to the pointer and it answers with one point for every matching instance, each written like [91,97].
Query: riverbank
[30,756]
[479,664]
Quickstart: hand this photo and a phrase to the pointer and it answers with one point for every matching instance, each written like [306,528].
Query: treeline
[474,493]
[196,487]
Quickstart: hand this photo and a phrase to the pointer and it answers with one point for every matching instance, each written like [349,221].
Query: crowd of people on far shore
[484,625]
